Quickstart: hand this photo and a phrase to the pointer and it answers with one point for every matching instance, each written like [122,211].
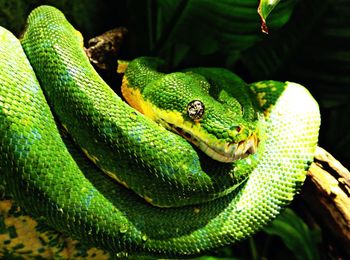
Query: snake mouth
[230,152]
[220,150]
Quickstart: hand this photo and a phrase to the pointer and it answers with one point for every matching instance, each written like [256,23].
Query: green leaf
[264,9]
[296,235]
[206,32]
[215,258]
[269,57]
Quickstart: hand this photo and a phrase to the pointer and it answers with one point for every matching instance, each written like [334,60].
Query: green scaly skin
[118,139]
[70,194]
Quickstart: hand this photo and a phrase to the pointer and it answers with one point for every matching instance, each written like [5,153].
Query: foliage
[296,235]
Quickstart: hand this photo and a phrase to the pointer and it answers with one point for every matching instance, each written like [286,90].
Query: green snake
[204,203]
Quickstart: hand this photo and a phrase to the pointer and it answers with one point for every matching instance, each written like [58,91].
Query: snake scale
[52,180]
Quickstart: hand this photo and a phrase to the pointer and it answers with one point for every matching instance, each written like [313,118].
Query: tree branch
[327,193]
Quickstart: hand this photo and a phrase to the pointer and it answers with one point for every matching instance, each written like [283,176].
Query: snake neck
[140,74]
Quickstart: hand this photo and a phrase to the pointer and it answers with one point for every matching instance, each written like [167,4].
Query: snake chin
[219,151]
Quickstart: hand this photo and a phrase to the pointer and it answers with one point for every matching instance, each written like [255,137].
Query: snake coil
[52,180]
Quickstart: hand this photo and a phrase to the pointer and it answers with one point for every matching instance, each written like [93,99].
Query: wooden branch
[327,193]
[103,50]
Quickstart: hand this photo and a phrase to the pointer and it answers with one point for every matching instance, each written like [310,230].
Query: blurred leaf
[325,57]
[296,235]
[264,9]
[215,258]
[83,14]
[267,58]
[323,64]
[266,6]
[206,32]
[13,14]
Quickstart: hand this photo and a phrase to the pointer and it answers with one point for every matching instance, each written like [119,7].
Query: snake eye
[195,109]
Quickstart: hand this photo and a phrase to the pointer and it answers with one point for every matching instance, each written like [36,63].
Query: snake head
[183,105]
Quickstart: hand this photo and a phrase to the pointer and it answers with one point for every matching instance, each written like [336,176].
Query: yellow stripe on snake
[145,190]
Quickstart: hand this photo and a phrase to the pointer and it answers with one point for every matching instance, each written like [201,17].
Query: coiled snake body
[51,179]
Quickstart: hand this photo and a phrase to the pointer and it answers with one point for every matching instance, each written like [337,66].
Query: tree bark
[327,194]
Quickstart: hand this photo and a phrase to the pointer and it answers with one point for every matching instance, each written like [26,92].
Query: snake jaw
[232,151]
[222,152]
